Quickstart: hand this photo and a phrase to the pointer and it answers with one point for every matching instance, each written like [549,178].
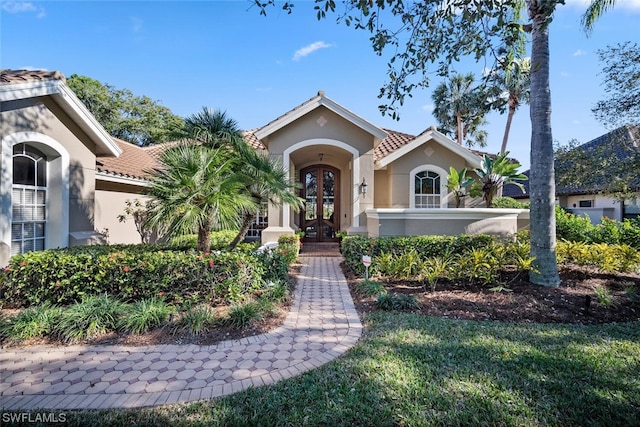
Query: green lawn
[415,370]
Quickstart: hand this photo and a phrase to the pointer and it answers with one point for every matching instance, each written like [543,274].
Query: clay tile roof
[23,76]
[392,142]
[252,140]
[132,163]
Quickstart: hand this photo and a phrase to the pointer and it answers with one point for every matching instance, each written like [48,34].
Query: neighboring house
[65,180]
[619,145]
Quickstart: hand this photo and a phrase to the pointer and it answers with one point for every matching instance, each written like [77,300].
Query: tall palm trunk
[460,128]
[507,128]
[542,184]
[246,224]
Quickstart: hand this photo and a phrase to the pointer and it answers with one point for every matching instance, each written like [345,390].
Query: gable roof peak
[320,92]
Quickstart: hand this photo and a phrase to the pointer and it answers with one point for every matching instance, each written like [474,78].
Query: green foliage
[508,203]
[276,292]
[197,319]
[145,315]
[460,107]
[612,258]
[397,302]
[368,288]
[603,296]
[497,171]
[242,315]
[457,182]
[353,247]
[289,247]
[93,316]
[34,322]
[137,119]
[132,273]
[196,189]
[434,269]
[621,78]
[219,240]
[575,228]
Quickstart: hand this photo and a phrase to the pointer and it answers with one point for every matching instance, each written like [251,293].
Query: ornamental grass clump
[94,315]
[242,315]
[197,319]
[38,321]
[146,315]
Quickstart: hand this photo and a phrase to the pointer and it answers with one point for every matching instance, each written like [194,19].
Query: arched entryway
[320,216]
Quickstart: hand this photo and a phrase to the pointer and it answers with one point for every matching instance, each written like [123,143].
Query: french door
[320,216]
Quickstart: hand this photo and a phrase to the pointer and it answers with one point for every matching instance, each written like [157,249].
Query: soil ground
[585,296]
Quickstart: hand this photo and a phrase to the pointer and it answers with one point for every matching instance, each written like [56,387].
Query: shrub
[133,273]
[92,316]
[219,240]
[612,258]
[353,247]
[575,228]
[397,302]
[275,292]
[145,315]
[509,203]
[289,247]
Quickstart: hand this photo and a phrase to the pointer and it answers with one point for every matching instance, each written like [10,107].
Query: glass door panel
[319,218]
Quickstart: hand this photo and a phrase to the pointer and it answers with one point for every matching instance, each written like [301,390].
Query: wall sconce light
[363,187]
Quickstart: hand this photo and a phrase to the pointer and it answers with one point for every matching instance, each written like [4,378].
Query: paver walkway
[321,325]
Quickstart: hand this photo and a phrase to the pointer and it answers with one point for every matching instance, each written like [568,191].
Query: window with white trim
[259,223]
[427,189]
[29,200]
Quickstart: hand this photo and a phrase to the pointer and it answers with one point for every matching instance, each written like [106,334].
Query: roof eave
[70,103]
[440,138]
[311,105]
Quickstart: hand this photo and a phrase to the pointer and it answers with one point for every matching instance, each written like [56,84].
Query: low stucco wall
[413,222]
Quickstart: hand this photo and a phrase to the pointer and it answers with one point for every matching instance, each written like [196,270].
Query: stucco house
[619,145]
[65,180]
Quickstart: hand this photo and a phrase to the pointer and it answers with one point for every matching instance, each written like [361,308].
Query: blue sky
[223,54]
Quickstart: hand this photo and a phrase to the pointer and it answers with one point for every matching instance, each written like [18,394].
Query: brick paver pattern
[321,325]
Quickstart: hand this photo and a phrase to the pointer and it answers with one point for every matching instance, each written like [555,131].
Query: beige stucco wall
[414,222]
[110,202]
[399,170]
[343,145]
[48,126]
[602,206]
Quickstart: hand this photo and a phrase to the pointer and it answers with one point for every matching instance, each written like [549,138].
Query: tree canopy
[460,107]
[621,81]
[136,119]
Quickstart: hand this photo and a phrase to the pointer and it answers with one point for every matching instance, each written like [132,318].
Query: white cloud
[11,6]
[579,52]
[576,122]
[564,74]
[307,50]
[429,108]
[136,24]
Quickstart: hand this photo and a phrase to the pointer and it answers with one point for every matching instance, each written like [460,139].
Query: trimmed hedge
[354,247]
[575,228]
[132,273]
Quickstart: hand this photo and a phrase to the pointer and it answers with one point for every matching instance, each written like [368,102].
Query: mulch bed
[574,301]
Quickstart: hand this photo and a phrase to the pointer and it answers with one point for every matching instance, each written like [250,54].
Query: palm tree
[460,109]
[457,182]
[494,173]
[195,190]
[213,128]
[266,180]
[594,11]
[515,80]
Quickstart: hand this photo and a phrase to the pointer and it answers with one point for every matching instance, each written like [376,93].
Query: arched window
[428,187]
[29,199]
